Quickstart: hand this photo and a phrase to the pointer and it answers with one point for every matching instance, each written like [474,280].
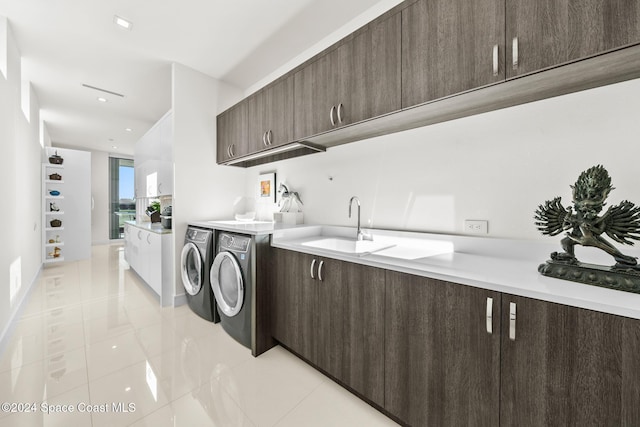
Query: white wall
[202,189]
[20,251]
[100,194]
[3,46]
[497,166]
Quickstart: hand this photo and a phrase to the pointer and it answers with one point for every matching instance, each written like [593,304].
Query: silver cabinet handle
[313,264]
[231,149]
[495,59]
[269,135]
[264,139]
[148,241]
[320,270]
[340,113]
[333,122]
[514,52]
[512,321]
[160,188]
[139,234]
[489,315]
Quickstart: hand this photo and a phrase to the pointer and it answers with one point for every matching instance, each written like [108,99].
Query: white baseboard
[6,331]
[179,300]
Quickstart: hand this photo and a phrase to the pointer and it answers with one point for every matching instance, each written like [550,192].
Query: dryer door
[191,266]
[227,283]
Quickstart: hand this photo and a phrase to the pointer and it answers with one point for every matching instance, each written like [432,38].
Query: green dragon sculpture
[620,222]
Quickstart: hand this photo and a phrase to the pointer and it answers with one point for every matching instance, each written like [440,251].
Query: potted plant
[153,211]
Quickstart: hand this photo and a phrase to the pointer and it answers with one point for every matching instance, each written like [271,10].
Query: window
[121,193]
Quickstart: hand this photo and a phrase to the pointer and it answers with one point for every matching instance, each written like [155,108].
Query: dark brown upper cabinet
[450,46]
[231,133]
[394,68]
[544,34]
[442,352]
[271,116]
[567,366]
[355,81]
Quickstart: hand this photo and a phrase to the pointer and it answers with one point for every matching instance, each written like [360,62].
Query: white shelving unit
[52,241]
[72,239]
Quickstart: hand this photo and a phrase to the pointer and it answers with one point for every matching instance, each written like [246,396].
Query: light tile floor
[93,340]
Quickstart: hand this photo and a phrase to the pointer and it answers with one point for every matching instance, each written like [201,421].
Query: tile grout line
[299,403]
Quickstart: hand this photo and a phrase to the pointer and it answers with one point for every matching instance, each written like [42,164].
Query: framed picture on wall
[267,187]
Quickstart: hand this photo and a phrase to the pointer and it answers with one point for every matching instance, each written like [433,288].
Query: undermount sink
[345,245]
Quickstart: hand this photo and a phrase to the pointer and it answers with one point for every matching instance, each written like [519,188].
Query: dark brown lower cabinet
[351,324]
[434,353]
[441,363]
[568,366]
[294,301]
[332,313]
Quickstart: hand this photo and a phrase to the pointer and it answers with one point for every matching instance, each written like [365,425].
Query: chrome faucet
[360,234]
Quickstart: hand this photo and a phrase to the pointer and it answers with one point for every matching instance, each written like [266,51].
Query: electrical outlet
[476,226]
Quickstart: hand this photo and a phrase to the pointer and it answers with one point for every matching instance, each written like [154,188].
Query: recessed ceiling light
[122,22]
[101,99]
[128,129]
[113,146]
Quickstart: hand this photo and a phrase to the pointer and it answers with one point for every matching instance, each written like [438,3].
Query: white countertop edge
[516,276]
[154,227]
[244,228]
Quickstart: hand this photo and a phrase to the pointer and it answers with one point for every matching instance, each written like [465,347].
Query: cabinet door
[127,243]
[314,96]
[294,303]
[351,325]
[144,249]
[153,242]
[568,366]
[554,32]
[448,47]
[231,133]
[137,256]
[441,364]
[140,167]
[165,166]
[356,81]
[373,73]
[271,116]
[150,156]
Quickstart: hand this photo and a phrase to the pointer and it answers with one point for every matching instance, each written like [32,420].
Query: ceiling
[66,44]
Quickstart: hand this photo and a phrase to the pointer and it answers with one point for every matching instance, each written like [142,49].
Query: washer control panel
[234,242]
[196,235]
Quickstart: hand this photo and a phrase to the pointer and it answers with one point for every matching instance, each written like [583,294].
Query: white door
[227,283]
[191,266]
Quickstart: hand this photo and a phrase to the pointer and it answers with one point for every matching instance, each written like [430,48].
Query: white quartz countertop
[508,266]
[154,227]
[254,228]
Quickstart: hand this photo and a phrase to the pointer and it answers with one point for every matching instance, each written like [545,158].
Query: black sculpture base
[619,278]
